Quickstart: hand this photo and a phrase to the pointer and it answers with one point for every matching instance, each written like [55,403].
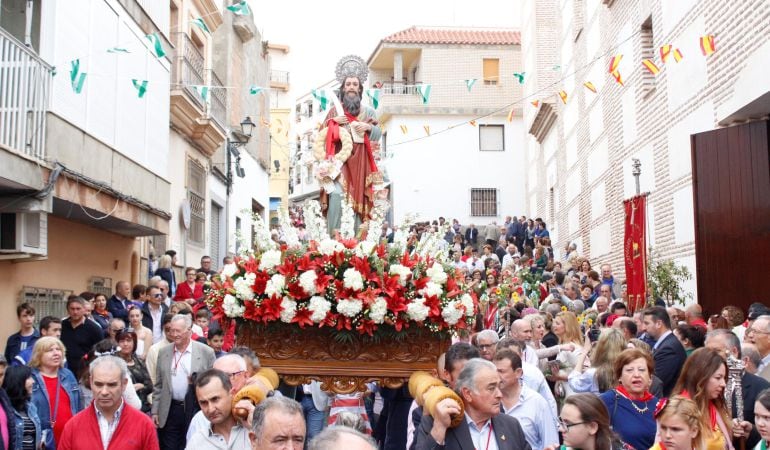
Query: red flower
[452,289]
[382,251]
[433,303]
[288,268]
[391,285]
[396,303]
[420,283]
[367,326]
[296,291]
[251,312]
[306,263]
[271,309]
[344,322]
[408,261]
[322,281]
[260,282]
[401,323]
[302,317]
[368,296]
[348,243]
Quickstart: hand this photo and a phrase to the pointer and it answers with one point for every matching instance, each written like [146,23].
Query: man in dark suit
[668,352]
[728,344]
[512,231]
[472,236]
[479,387]
[118,304]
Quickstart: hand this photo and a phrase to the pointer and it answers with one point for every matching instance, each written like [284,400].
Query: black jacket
[507,429]
[147,317]
[669,358]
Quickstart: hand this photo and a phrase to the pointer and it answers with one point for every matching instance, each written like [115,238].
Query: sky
[320,33]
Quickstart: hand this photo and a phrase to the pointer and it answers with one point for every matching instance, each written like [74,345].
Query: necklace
[638,409]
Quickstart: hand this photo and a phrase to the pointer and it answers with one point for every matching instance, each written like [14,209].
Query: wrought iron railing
[189,70]
[217,107]
[279,76]
[399,89]
[25,90]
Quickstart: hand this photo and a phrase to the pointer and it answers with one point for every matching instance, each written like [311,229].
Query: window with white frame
[483,202]
[491,138]
[196,195]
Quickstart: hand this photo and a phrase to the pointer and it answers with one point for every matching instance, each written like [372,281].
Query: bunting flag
[469,83]
[535,103]
[677,55]
[615,62]
[424,91]
[519,76]
[374,96]
[618,77]
[254,89]
[427,129]
[141,87]
[118,50]
[510,115]
[157,47]
[473,123]
[590,86]
[240,9]
[707,45]
[556,68]
[403,129]
[665,51]
[76,78]
[563,96]
[200,24]
[650,65]
[203,91]
[320,95]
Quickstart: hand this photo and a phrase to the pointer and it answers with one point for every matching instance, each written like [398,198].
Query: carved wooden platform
[302,355]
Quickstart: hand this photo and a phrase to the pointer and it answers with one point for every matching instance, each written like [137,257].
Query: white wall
[108,107]
[253,186]
[433,176]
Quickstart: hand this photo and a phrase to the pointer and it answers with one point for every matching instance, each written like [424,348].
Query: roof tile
[457,36]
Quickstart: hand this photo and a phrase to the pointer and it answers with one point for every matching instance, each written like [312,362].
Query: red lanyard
[489,435]
[178,360]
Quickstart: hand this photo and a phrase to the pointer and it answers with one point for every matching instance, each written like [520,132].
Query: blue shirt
[536,419]
[635,428]
[482,437]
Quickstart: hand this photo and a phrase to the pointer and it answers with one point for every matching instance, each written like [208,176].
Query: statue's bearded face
[351,100]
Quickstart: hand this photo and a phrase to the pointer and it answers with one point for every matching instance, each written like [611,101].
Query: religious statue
[343,149]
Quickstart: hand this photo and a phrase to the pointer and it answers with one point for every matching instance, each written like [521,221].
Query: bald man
[693,315]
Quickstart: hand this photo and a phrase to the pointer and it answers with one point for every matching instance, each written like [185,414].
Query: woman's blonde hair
[610,345]
[571,328]
[42,345]
[688,411]
[164,262]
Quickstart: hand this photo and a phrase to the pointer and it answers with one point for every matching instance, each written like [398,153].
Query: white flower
[436,273]
[349,307]
[229,270]
[270,259]
[288,309]
[416,310]
[352,279]
[451,313]
[378,309]
[319,306]
[307,281]
[365,248]
[467,301]
[243,285]
[403,273]
[329,246]
[232,307]
[431,289]
[275,285]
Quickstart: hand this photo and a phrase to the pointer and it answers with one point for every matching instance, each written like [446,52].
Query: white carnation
[378,309]
[431,289]
[307,281]
[352,279]
[229,270]
[416,310]
[436,273]
[403,273]
[365,248]
[467,301]
[319,306]
[288,309]
[275,285]
[330,246]
[232,307]
[349,307]
[270,259]
[451,313]
[243,285]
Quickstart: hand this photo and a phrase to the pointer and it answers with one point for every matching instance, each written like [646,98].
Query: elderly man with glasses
[759,335]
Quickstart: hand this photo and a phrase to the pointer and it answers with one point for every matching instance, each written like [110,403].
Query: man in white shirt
[214,393]
[532,376]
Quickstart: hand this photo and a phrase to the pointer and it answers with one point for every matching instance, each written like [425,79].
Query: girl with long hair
[18,383]
[585,424]
[679,425]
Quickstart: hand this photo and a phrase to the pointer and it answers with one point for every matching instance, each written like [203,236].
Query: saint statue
[345,141]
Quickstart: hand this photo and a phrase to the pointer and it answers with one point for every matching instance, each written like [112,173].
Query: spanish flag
[427,129]
[510,115]
[563,96]
[535,103]
[650,65]
[707,45]
[473,123]
[677,55]
[590,86]
[618,77]
[665,51]
[403,129]
[615,62]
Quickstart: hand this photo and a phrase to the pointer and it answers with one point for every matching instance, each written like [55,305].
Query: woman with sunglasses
[678,424]
[585,424]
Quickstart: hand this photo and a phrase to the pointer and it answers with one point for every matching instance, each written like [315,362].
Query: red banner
[635,251]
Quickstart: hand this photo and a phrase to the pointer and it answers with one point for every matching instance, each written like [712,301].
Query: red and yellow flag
[650,65]
[403,129]
[618,77]
[535,103]
[473,123]
[665,51]
[707,45]
[677,55]
[427,129]
[590,86]
[615,62]
[563,96]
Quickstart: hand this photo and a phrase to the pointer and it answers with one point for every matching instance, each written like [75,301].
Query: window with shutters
[483,202]
[47,302]
[491,138]
[196,195]
[491,71]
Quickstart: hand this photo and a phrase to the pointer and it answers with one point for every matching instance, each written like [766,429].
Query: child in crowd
[27,335]
[216,339]
[202,320]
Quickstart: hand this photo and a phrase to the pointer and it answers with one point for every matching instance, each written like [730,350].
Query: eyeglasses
[485,346]
[158,295]
[119,330]
[235,374]
[567,425]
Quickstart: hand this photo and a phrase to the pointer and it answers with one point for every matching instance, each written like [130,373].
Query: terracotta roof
[458,36]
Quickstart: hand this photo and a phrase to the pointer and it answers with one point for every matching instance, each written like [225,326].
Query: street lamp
[247,127]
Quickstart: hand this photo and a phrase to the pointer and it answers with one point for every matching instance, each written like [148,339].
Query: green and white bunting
[76,77]
[240,8]
[320,95]
[157,47]
[203,91]
[254,89]
[374,95]
[424,91]
[469,83]
[200,24]
[141,87]
[118,50]
[519,76]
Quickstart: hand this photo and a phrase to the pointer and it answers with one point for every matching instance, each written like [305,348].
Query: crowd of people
[555,359]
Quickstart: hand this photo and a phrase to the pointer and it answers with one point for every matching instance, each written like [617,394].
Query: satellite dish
[186,214]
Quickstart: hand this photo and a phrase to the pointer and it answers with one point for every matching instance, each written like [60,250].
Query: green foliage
[666,278]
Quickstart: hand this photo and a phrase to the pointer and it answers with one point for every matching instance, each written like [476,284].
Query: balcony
[200,120]
[25,88]
[279,79]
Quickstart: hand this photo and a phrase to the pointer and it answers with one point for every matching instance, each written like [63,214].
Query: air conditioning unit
[24,233]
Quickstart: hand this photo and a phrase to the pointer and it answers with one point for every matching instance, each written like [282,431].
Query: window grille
[196,195]
[47,302]
[483,202]
[100,285]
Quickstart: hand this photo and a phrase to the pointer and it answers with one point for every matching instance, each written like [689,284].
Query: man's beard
[351,102]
